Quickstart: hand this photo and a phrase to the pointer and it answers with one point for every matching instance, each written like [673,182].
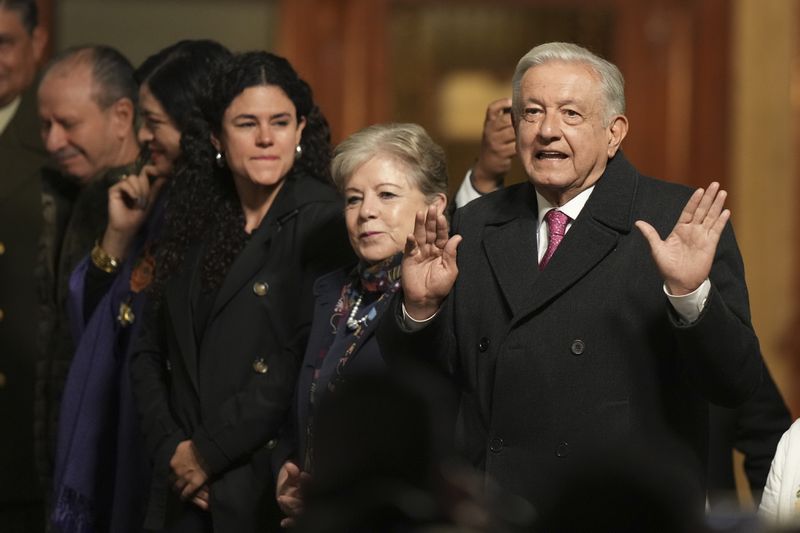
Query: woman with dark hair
[102,475]
[253,221]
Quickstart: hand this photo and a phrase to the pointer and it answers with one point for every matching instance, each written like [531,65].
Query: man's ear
[39,39]
[123,113]
[617,130]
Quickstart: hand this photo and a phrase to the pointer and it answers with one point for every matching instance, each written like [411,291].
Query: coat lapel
[255,253]
[326,295]
[511,249]
[245,266]
[509,242]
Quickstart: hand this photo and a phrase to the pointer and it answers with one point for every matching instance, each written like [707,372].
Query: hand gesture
[429,267]
[684,258]
[129,204]
[289,493]
[497,147]
[190,476]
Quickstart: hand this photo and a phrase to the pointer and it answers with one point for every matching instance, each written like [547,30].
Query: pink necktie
[556,227]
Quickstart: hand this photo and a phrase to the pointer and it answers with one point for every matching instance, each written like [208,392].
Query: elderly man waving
[591,334]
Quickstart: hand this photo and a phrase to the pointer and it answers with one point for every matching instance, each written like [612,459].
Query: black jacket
[231,391]
[587,353]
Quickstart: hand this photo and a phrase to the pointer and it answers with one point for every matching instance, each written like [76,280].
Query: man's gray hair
[408,144]
[112,73]
[610,77]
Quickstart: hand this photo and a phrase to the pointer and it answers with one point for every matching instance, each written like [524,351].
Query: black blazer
[588,351]
[231,391]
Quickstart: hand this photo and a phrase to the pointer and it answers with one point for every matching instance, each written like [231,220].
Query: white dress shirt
[7,113]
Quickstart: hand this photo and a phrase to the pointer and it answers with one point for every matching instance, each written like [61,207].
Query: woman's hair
[256,69]
[203,203]
[408,144]
[178,77]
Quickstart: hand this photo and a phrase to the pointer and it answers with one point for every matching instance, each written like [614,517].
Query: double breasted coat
[554,363]
[228,387]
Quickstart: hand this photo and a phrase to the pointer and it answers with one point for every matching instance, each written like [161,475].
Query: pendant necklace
[352,323]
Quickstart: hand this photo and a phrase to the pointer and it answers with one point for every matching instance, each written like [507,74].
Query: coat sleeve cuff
[211,455]
[166,450]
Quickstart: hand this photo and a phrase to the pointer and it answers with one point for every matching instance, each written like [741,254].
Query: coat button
[271,443]
[260,366]
[496,445]
[577,347]
[483,344]
[2,248]
[2,380]
[562,450]
[260,288]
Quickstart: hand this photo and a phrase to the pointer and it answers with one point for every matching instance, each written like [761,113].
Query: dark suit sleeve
[720,350]
[256,413]
[754,428]
[434,343]
[150,381]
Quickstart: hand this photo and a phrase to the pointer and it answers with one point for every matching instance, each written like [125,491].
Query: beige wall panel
[139,28]
[764,189]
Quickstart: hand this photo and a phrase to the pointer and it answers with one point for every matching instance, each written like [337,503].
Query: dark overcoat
[228,388]
[21,224]
[554,363]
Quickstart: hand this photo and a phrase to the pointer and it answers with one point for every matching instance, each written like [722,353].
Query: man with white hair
[591,334]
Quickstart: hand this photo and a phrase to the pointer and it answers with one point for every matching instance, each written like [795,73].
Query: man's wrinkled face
[20,52]
[79,135]
[564,137]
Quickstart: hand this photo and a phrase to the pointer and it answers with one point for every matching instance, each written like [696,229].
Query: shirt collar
[572,208]
[7,113]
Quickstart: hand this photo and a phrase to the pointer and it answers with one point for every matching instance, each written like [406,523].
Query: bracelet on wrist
[103,260]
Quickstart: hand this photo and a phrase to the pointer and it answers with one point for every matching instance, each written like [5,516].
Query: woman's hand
[429,267]
[190,477]
[129,203]
[202,498]
[289,492]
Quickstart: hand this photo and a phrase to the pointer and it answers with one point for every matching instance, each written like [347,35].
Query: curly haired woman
[253,220]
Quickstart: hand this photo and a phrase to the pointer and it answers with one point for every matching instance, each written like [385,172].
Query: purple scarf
[102,473]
